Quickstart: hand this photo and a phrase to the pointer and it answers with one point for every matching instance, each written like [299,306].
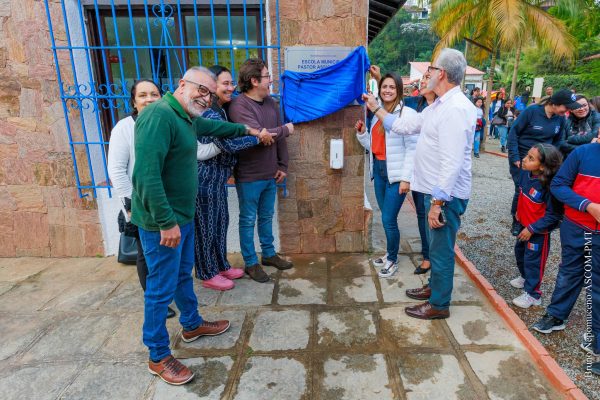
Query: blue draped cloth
[311,95]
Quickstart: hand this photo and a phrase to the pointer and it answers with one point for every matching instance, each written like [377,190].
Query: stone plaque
[310,59]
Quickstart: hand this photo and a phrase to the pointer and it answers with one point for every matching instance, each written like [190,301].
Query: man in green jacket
[163,203]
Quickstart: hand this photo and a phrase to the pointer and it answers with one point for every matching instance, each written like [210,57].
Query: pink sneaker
[217,282]
[232,273]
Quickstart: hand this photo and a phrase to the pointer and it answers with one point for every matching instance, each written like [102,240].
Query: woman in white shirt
[391,158]
[121,158]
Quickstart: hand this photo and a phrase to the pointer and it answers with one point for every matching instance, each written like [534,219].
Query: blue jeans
[441,252]
[257,199]
[169,277]
[389,201]
[419,199]
[476,142]
[503,133]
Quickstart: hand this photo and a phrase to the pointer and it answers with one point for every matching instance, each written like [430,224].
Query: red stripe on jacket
[588,187]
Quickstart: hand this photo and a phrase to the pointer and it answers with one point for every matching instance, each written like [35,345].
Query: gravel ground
[486,241]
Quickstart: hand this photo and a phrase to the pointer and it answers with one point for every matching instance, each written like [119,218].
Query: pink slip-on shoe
[217,282]
[232,273]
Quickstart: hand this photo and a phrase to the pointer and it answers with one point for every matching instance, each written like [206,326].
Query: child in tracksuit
[537,213]
[577,185]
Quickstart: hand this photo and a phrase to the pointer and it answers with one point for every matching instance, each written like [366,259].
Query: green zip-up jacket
[165,174]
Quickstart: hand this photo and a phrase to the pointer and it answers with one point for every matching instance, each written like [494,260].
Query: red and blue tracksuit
[577,184]
[536,213]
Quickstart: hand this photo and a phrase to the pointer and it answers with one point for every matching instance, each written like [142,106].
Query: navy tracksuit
[577,184]
[535,212]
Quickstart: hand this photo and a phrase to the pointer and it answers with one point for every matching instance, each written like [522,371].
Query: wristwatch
[437,202]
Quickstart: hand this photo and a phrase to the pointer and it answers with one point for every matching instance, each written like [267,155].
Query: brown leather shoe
[276,262]
[426,311]
[257,273]
[423,293]
[205,329]
[170,370]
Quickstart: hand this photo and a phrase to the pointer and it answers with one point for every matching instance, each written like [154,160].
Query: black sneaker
[516,227]
[548,323]
[589,346]
[170,312]
[276,262]
[257,273]
[503,149]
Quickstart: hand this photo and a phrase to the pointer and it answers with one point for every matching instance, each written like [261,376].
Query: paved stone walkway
[327,329]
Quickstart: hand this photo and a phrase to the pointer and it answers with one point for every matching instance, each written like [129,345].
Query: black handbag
[127,249]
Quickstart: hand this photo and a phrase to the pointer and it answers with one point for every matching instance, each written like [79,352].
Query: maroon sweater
[260,162]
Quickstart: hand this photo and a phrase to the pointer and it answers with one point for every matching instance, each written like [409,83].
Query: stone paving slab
[280,330]
[302,291]
[355,377]
[118,381]
[208,384]
[349,291]
[433,376]
[272,378]
[327,329]
[346,328]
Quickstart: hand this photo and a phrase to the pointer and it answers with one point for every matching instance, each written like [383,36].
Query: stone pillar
[324,211]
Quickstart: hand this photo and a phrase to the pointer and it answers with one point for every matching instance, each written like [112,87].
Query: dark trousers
[577,272]
[514,173]
[531,259]
[419,199]
[140,262]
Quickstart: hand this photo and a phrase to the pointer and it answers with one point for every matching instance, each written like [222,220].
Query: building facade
[65,70]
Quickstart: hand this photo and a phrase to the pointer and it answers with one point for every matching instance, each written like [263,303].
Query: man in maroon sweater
[259,168]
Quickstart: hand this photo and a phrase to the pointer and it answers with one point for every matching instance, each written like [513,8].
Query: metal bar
[79,102]
[133,41]
[197,32]
[155,77]
[107,47]
[181,39]
[262,29]
[93,92]
[231,52]
[279,57]
[164,40]
[246,30]
[118,41]
[64,104]
[107,77]
[214,32]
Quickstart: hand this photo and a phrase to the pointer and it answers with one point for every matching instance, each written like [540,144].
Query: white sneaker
[518,283]
[389,269]
[380,262]
[526,301]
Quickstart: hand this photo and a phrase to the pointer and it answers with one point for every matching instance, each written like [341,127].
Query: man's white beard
[195,109]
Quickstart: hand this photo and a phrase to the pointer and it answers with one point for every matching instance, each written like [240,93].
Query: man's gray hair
[200,69]
[454,63]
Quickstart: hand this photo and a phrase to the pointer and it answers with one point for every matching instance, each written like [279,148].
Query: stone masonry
[41,213]
[324,210]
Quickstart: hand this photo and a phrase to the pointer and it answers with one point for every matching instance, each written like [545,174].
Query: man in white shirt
[442,171]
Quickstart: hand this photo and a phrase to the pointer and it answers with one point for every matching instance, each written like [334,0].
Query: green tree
[497,26]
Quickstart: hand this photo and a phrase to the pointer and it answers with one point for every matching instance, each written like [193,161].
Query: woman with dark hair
[121,158]
[212,214]
[480,124]
[538,123]
[582,126]
[496,106]
[391,159]
[507,114]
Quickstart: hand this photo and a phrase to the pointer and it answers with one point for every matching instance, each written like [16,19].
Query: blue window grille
[101,47]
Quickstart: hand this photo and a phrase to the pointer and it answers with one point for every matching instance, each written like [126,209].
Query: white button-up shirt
[442,165]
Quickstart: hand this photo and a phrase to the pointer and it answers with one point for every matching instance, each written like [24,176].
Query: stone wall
[324,211]
[41,213]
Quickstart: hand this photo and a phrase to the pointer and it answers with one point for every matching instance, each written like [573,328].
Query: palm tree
[495,26]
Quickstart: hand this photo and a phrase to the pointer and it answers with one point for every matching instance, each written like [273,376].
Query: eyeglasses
[431,67]
[202,90]
[266,76]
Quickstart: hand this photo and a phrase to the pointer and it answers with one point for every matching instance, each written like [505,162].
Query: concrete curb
[503,155]
[548,365]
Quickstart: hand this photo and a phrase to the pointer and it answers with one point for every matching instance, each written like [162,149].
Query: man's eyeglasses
[431,68]
[202,90]
[266,76]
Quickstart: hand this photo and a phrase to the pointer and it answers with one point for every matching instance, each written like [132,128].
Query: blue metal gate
[101,47]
